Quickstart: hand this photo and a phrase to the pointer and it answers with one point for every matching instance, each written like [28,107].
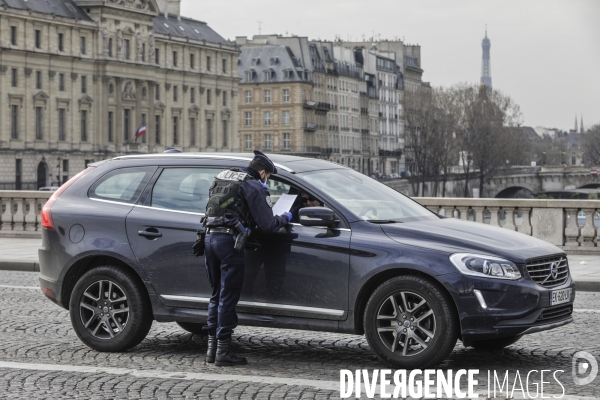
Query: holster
[199,247]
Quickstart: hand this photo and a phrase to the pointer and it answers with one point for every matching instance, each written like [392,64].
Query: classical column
[151,116]
[119,140]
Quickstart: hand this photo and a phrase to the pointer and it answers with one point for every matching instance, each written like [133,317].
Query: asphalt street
[41,357]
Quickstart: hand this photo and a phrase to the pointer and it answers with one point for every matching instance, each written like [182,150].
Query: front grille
[553,314]
[540,271]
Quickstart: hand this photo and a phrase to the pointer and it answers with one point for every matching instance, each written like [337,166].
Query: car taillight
[46,211]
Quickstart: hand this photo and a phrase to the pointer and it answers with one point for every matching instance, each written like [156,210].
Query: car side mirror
[318,216]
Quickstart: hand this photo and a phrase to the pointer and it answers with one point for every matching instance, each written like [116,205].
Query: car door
[298,271]
[162,230]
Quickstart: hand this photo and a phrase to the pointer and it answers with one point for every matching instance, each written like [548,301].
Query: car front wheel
[109,310]
[409,323]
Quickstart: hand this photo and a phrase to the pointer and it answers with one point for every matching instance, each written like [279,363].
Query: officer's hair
[258,166]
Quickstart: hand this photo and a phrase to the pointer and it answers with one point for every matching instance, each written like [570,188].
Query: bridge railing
[20,212]
[573,225]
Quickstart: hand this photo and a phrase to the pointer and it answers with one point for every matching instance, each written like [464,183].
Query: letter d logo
[583,367]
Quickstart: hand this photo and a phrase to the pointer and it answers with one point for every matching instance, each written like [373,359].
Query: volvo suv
[117,253]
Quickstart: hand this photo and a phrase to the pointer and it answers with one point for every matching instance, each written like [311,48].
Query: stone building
[326,101]
[277,113]
[352,95]
[78,78]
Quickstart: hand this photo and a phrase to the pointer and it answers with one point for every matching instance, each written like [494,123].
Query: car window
[123,185]
[277,188]
[367,198]
[183,189]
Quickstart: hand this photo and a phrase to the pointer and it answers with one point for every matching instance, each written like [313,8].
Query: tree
[592,146]
[418,117]
[486,128]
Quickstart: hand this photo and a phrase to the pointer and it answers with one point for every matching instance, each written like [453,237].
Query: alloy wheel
[104,309]
[406,323]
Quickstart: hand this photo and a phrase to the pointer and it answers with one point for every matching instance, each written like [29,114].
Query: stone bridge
[521,182]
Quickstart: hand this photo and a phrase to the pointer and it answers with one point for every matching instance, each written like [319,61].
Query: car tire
[110,310]
[495,344]
[421,342]
[193,327]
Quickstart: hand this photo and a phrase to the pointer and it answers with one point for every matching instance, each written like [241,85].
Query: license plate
[560,296]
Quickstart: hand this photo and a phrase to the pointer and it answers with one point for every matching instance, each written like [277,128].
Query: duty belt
[229,231]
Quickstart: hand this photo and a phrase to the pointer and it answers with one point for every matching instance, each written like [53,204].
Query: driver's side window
[303,198]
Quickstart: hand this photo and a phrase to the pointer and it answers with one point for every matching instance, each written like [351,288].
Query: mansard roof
[187,28]
[274,58]
[60,8]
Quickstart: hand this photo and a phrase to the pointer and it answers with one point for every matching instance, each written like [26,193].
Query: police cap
[259,156]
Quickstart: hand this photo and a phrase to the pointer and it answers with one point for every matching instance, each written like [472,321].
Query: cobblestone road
[283,363]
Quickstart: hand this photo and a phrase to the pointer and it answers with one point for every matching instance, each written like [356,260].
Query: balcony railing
[310,126]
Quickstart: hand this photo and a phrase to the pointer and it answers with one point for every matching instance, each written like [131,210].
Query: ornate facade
[78,79]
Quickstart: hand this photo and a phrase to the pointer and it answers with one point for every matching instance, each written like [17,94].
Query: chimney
[172,7]
[175,8]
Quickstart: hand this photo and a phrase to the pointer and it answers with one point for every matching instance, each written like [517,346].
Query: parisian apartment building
[340,101]
[79,78]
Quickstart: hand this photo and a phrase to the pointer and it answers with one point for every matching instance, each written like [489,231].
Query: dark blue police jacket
[259,204]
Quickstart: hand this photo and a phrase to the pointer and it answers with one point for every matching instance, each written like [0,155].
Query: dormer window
[288,74]
[269,75]
[249,75]
[274,60]
[256,61]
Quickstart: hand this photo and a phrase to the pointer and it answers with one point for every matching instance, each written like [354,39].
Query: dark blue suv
[363,259]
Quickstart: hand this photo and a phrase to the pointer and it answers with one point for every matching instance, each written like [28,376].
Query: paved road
[41,357]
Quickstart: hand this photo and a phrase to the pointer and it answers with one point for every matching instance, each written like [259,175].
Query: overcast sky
[545,53]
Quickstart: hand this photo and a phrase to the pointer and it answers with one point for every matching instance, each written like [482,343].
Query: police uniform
[236,196]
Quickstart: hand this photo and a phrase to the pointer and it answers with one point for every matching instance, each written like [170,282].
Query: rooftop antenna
[259,27]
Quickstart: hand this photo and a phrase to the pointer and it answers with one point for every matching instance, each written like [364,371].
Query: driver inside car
[303,201]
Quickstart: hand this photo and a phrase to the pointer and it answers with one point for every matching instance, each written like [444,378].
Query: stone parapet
[20,213]
[569,224]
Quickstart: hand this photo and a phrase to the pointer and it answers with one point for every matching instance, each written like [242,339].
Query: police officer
[239,200]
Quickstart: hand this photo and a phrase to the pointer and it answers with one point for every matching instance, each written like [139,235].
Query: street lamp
[58,168]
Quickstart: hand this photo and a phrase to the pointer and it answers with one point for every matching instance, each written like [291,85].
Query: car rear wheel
[409,323]
[109,310]
[193,327]
[495,344]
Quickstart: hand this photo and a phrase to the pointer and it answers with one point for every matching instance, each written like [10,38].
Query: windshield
[367,198]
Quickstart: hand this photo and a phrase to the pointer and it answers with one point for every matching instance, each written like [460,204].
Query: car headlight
[485,266]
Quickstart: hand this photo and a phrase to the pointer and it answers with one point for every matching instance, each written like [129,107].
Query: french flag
[140,132]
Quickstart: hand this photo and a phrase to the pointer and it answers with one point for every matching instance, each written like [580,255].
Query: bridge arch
[590,186]
[515,192]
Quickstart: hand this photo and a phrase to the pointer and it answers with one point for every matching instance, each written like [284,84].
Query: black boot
[211,351]
[225,356]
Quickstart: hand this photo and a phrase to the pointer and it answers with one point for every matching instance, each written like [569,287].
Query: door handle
[150,234]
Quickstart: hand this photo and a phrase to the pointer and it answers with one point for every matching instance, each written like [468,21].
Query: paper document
[284,203]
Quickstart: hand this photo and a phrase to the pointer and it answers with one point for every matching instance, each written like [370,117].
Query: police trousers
[225,271]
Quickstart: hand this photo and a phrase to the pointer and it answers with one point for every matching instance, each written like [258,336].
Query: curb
[587,286]
[24,266]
